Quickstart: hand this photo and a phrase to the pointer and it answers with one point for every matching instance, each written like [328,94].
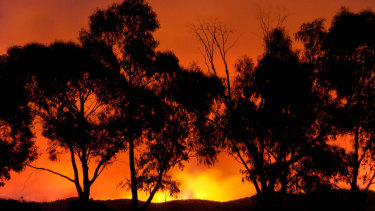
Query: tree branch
[53,172]
[99,169]
[370,182]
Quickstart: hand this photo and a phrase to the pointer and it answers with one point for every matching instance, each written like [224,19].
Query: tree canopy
[16,138]
[344,60]
[153,120]
[73,117]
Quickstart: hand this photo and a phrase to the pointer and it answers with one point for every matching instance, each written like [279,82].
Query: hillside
[338,200]
[180,205]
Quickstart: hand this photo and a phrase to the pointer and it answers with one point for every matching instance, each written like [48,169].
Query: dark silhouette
[279,124]
[275,120]
[114,93]
[63,87]
[155,126]
[197,92]
[9,204]
[344,58]
[333,200]
[16,144]
[78,205]
[126,31]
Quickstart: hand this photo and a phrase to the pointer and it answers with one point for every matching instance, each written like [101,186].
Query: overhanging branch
[53,172]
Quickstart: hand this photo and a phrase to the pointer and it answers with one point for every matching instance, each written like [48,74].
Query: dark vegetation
[282,117]
[331,200]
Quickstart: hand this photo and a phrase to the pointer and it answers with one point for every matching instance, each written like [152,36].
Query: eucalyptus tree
[343,56]
[271,117]
[155,125]
[280,122]
[16,138]
[63,86]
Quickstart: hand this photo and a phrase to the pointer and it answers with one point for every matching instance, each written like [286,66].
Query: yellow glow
[203,187]
[211,184]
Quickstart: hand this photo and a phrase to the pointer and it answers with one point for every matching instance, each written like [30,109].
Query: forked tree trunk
[86,180]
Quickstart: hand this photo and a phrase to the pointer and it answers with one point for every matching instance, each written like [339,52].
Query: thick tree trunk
[266,201]
[76,176]
[86,180]
[84,196]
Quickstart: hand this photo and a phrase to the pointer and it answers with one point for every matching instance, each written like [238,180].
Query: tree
[279,121]
[215,38]
[126,31]
[63,86]
[164,150]
[272,121]
[16,144]
[155,127]
[344,56]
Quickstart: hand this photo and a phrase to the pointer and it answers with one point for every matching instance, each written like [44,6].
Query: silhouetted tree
[16,144]
[345,62]
[64,82]
[126,31]
[272,121]
[279,122]
[216,39]
[155,126]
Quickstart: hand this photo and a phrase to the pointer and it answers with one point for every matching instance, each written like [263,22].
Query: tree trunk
[284,176]
[84,196]
[283,181]
[356,160]
[86,180]
[356,164]
[76,176]
[267,199]
[133,177]
[154,191]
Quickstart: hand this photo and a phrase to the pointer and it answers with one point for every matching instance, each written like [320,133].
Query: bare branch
[267,23]
[215,35]
[51,171]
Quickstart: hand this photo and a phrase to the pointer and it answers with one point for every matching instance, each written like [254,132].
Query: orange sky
[24,21]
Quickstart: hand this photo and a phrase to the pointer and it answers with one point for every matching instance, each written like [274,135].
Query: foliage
[16,144]
[155,123]
[65,100]
[279,123]
[345,66]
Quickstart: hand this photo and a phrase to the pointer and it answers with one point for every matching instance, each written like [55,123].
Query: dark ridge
[10,204]
[331,200]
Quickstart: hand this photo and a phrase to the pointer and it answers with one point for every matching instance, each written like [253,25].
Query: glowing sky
[24,21]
